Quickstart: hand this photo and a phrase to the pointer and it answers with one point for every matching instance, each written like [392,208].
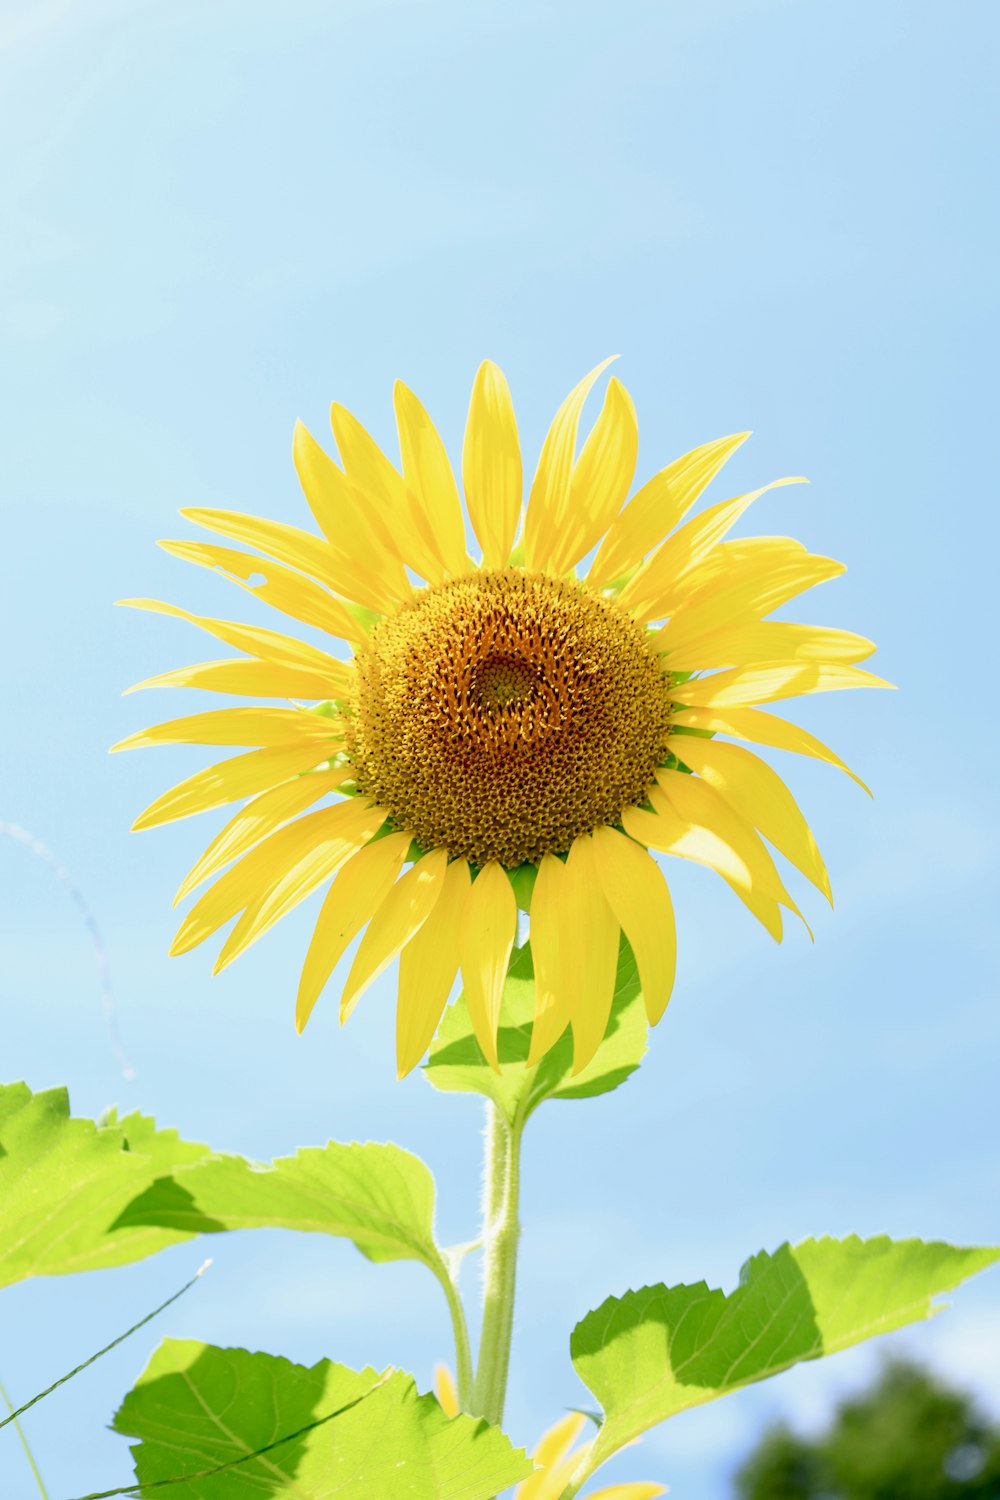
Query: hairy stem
[501,1232]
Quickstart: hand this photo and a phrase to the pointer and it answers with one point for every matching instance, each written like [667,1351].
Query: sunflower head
[562,696]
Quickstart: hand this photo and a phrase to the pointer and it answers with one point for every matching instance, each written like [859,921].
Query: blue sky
[217,218]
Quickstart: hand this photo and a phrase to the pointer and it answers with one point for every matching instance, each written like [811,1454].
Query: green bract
[457,1064]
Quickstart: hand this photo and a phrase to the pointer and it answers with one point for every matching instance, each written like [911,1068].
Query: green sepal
[655,1352]
[522,880]
[226,1424]
[457,1064]
[366,618]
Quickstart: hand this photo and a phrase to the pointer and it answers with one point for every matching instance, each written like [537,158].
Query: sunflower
[556,1459]
[521,730]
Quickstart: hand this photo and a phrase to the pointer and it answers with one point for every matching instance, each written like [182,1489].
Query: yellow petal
[491,466]
[231,780]
[744,686]
[357,822]
[700,804]
[299,549]
[600,480]
[257,871]
[259,818]
[695,823]
[764,908]
[363,553]
[743,561]
[427,968]
[666,831]
[552,1483]
[239,726]
[245,678]
[444,1390]
[658,507]
[399,918]
[549,498]
[557,1440]
[427,472]
[267,645]
[763,729]
[355,895]
[759,795]
[592,954]
[743,549]
[291,593]
[739,590]
[556,1465]
[546,1484]
[637,893]
[549,939]
[649,594]
[486,937]
[766,641]
[637,1489]
[385,489]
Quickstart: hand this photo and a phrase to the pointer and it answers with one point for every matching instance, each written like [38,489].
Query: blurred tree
[909,1437]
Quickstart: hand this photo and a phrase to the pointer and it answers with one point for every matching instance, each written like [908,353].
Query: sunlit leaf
[657,1351]
[380,1197]
[164,1147]
[64,1183]
[272,1428]
[457,1063]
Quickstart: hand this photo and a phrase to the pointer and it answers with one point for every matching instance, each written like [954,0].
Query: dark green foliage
[909,1437]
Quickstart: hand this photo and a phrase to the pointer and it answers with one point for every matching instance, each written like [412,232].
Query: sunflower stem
[501,1232]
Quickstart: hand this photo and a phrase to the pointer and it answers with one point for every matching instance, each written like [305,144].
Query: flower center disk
[504,713]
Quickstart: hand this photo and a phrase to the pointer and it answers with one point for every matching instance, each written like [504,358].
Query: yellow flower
[554,1454]
[500,717]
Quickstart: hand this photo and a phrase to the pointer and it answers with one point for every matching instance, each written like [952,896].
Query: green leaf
[328,1431]
[165,1148]
[64,1183]
[657,1351]
[456,1062]
[380,1197]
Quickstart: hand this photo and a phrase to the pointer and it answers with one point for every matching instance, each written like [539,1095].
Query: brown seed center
[504,713]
